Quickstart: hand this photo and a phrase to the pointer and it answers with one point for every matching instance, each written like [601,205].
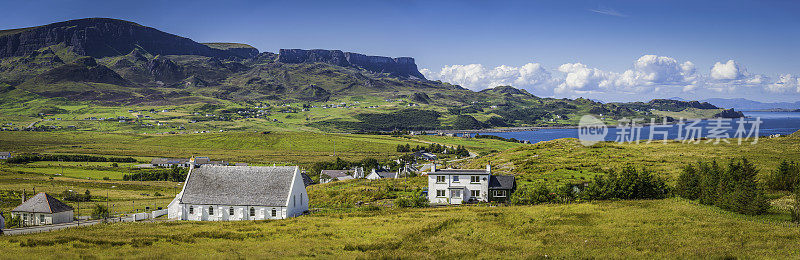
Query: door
[456,196]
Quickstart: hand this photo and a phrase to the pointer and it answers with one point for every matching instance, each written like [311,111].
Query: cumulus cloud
[649,76]
[785,84]
[477,77]
[727,71]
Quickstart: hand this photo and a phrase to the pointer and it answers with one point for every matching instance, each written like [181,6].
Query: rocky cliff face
[100,37]
[399,67]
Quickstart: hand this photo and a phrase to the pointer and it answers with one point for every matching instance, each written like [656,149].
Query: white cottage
[377,175]
[43,209]
[225,193]
[457,186]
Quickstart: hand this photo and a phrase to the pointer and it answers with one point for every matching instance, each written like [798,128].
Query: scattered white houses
[457,186]
[5,155]
[226,193]
[169,162]
[428,156]
[200,160]
[377,175]
[43,209]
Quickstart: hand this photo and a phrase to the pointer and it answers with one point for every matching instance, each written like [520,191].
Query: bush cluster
[629,184]
[732,188]
[26,158]
[411,202]
[176,174]
[69,195]
[785,178]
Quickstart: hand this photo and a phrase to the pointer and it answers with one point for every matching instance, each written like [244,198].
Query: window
[500,193]
[191,209]
[440,179]
[440,193]
[230,211]
[210,210]
[475,193]
[474,179]
[274,213]
[41,218]
[252,212]
[455,178]
[455,193]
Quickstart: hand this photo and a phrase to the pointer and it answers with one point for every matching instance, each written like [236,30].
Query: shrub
[786,177]
[411,202]
[628,184]
[100,211]
[527,195]
[732,188]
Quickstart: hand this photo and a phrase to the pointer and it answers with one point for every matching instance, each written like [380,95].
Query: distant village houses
[5,155]
[201,160]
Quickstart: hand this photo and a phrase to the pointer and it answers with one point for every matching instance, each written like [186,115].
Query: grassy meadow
[669,228]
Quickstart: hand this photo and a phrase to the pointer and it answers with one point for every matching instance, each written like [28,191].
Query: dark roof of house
[459,171]
[385,175]
[42,203]
[502,182]
[306,179]
[168,161]
[239,185]
[336,173]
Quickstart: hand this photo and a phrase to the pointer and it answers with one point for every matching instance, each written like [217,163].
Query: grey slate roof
[459,171]
[385,175]
[42,203]
[239,185]
[502,182]
[335,174]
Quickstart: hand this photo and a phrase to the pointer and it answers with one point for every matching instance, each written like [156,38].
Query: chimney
[433,167]
[488,168]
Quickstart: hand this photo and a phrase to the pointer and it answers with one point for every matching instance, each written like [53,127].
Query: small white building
[5,155]
[226,193]
[457,186]
[43,209]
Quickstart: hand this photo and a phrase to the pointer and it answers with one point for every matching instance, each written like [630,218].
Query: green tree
[100,211]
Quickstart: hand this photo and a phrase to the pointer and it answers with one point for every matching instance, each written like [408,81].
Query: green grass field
[669,228]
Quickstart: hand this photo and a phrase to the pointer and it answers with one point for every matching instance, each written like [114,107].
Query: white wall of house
[297,201]
[222,212]
[37,219]
[435,188]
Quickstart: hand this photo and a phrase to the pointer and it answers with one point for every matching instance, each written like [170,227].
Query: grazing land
[669,228]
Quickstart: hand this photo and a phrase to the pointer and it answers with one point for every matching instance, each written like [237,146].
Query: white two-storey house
[457,186]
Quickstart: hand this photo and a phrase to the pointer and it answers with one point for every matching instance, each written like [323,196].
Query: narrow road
[34,124]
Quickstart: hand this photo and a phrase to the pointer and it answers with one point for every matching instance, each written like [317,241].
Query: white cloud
[477,77]
[650,76]
[785,83]
[727,71]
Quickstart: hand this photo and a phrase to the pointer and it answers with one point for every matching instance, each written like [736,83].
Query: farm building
[5,155]
[326,176]
[43,209]
[224,193]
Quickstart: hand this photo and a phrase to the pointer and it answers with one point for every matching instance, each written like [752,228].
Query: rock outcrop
[729,113]
[240,50]
[398,67]
[101,37]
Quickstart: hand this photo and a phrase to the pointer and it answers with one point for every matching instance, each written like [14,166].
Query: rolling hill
[118,63]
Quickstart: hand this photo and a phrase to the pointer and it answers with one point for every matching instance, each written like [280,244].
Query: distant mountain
[746,104]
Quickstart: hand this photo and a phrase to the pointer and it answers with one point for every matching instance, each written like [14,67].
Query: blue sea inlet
[782,123]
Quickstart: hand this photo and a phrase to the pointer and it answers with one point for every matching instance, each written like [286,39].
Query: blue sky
[593,49]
